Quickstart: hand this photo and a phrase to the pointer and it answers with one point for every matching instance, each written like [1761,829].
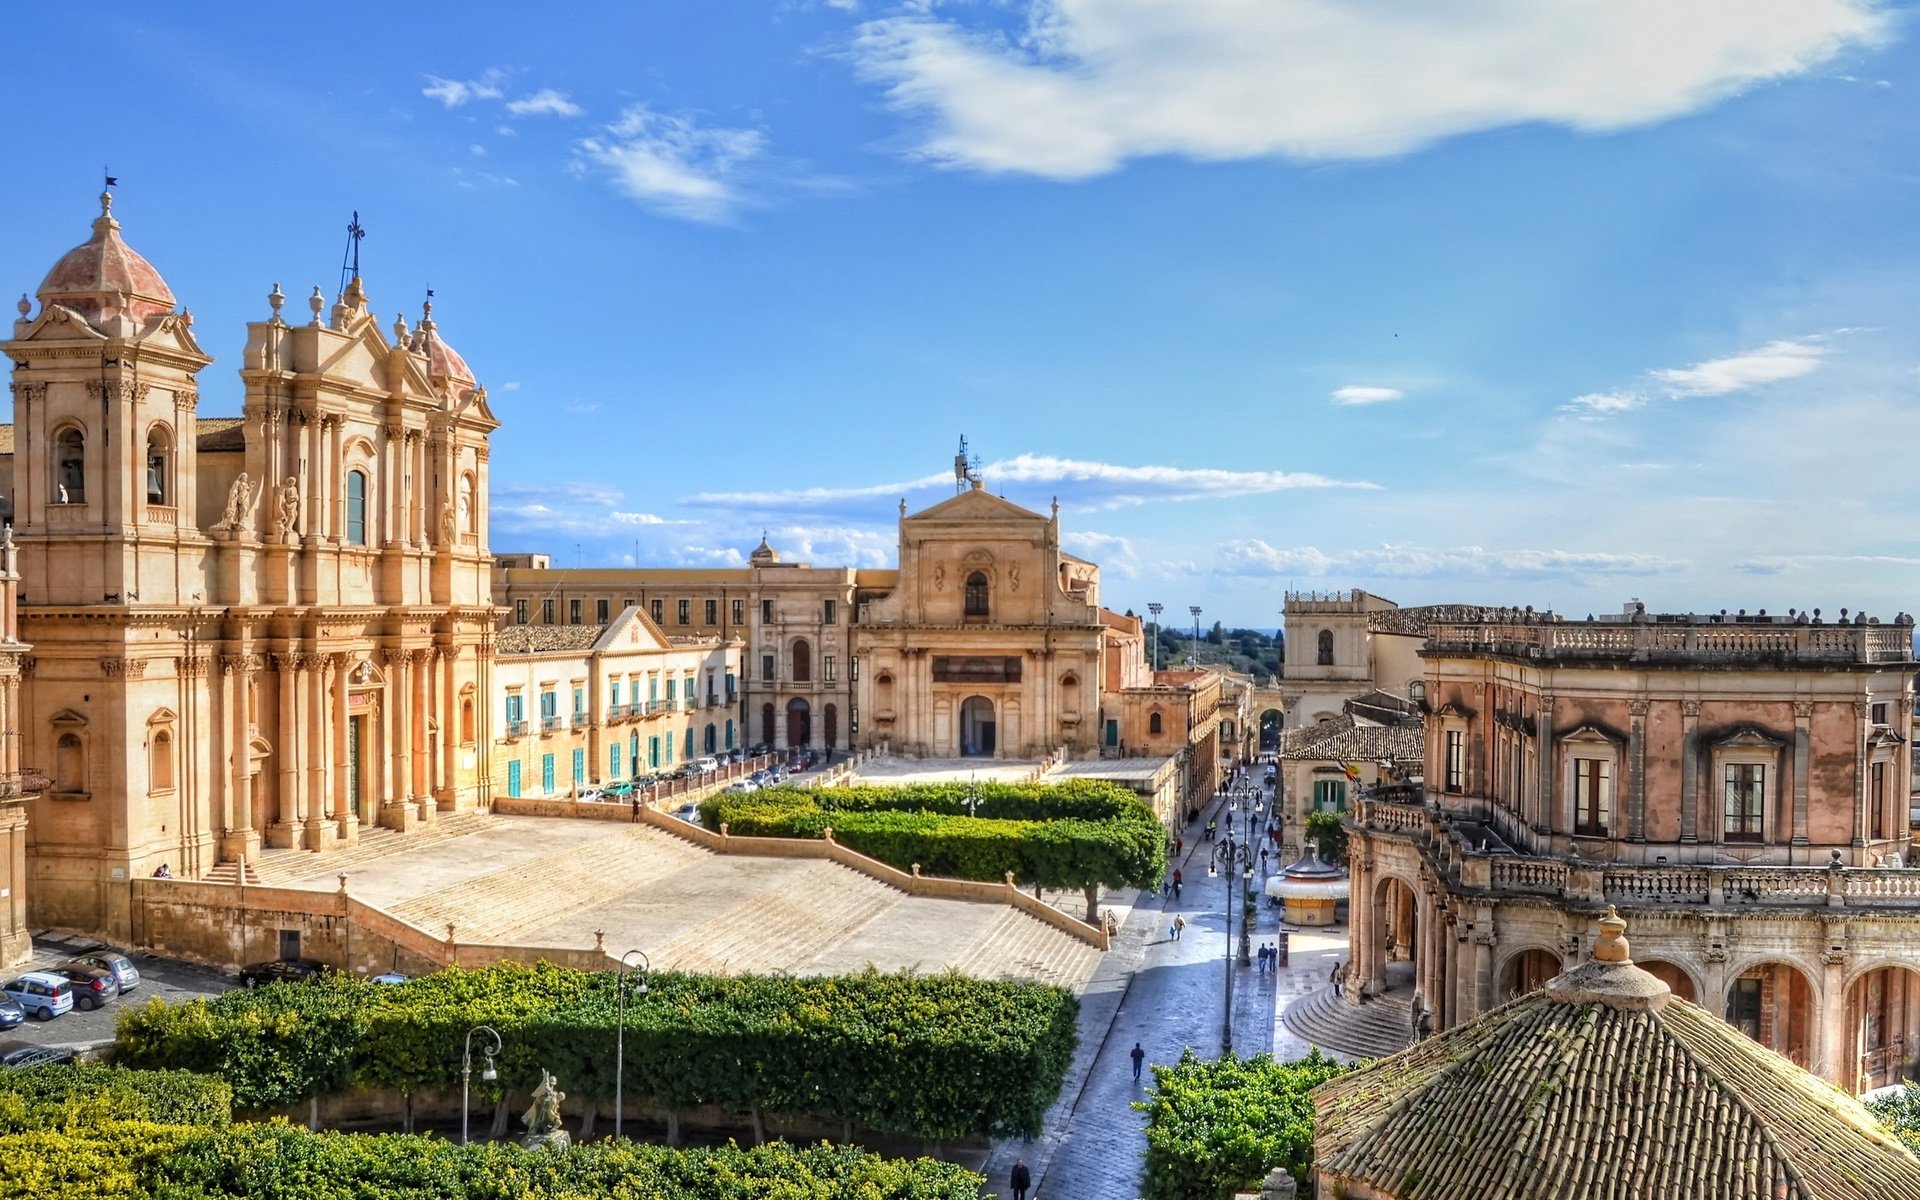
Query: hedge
[276,1161]
[61,1095]
[1217,1126]
[1900,1113]
[940,1056]
[1082,834]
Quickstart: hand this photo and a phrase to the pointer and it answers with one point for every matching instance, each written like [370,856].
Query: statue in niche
[939,577]
[449,526]
[543,1119]
[1013,577]
[239,496]
[289,507]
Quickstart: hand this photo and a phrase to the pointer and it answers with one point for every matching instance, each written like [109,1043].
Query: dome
[444,364]
[104,277]
[764,553]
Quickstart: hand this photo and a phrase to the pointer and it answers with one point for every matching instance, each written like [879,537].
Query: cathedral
[262,630]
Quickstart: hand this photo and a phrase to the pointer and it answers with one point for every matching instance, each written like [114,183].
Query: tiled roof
[1580,1099]
[1414,621]
[1342,741]
[546,639]
[220,433]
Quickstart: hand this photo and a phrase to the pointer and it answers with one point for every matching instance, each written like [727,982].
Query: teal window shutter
[513,778]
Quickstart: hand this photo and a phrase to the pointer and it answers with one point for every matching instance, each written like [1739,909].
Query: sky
[1548,302]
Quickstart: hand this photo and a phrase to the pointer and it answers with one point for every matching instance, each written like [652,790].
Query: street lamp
[1236,859]
[1156,608]
[1195,610]
[487,1073]
[620,1030]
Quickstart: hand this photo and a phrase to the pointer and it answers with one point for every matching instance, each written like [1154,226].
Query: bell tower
[104,392]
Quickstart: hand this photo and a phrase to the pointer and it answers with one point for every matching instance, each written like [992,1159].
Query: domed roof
[764,552]
[104,277]
[444,364]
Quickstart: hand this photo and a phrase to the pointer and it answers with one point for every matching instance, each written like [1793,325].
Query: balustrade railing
[1538,876]
[1575,639]
[1656,885]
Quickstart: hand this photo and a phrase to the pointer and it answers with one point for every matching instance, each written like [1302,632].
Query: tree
[1325,831]
[1217,635]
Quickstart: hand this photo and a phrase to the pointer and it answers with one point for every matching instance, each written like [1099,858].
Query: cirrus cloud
[1355,394]
[672,165]
[544,103]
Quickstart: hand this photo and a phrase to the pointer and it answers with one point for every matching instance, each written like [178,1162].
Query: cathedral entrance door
[356,740]
[799,724]
[976,727]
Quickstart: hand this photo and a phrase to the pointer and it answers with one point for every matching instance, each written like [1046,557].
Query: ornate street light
[620,1030]
[487,1073]
[1236,859]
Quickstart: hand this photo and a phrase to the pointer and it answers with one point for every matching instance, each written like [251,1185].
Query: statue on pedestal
[239,496]
[289,507]
[543,1119]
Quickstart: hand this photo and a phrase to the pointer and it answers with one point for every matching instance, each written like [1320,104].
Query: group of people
[1269,956]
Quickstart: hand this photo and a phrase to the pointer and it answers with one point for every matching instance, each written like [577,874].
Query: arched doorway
[766,725]
[799,723]
[1271,723]
[802,661]
[1772,1003]
[833,727]
[1399,932]
[1528,971]
[1672,976]
[976,727]
[1883,1022]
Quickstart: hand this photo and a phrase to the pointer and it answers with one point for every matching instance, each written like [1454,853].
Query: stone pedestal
[239,845]
[283,835]
[399,815]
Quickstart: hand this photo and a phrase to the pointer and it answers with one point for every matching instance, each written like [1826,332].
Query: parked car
[742,785]
[11,1014]
[282,970]
[92,987]
[706,766]
[391,977]
[617,791]
[591,794]
[124,972]
[689,813]
[42,993]
[16,1055]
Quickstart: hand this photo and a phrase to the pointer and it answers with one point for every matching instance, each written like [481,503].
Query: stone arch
[160,753]
[1272,723]
[70,762]
[1776,1000]
[1525,969]
[157,466]
[1155,724]
[1684,983]
[1326,647]
[69,482]
[979,598]
[800,655]
[830,716]
[799,723]
[1397,907]
[1882,1031]
[766,725]
[977,728]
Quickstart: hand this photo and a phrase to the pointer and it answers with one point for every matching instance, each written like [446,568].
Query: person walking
[1139,1058]
[636,806]
[1334,977]
[1021,1179]
[1211,829]
[1263,860]
[1179,846]
[1179,923]
[1177,881]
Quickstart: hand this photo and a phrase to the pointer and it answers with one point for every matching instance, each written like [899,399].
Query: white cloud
[1359,394]
[1084,85]
[544,103]
[1607,403]
[477,150]
[1768,364]
[1113,553]
[671,165]
[1256,557]
[511,385]
[455,92]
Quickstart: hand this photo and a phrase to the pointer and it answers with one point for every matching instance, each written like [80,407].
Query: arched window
[69,764]
[357,508]
[466,718]
[802,661]
[1326,647]
[70,466]
[977,594]
[159,486]
[160,764]
[466,504]
[1153,723]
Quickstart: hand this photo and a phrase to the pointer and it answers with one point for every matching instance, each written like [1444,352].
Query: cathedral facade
[268,630]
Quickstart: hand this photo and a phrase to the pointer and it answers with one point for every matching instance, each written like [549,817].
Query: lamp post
[1236,859]
[973,794]
[620,1030]
[487,1073]
[1156,608]
[1195,610]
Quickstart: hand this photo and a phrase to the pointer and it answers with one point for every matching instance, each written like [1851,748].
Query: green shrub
[1215,1127]
[1086,833]
[940,1056]
[61,1095]
[1325,830]
[1900,1113]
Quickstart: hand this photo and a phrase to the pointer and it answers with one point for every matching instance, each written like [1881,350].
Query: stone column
[240,843]
[418,664]
[1636,772]
[400,696]
[446,795]
[314,755]
[348,828]
[1831,1060]
[1802,751]
[1689,775]
[1483,997]
[283,833]
[1447,1005]
[1547,763]
[1861,799]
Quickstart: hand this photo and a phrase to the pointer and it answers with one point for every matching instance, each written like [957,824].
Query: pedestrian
[1179,923]
[1334,977]
[1021,1179]
[1229,824]
[1179,846]
[636,806]
[1260,959]
[1166,888]
[1263,858]
[1211,829]
[1139,1057]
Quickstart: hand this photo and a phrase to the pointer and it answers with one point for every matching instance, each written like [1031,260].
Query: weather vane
[350,261]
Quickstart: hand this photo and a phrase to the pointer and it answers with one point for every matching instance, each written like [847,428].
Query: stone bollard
[599,941]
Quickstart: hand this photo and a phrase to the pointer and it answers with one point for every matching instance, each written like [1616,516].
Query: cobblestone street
[1168,995]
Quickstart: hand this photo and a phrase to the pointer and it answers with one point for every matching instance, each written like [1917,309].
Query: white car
[706,766]
[591,794]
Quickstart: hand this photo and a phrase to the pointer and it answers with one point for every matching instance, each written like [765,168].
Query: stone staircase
[501,905]
[286,866]
[1376,1029]
[1017,946]
[232,873]
[795,922]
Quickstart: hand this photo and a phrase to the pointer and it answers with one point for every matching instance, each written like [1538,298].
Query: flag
[1352,770]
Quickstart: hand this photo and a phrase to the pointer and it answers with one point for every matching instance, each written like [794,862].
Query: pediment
[163,716]
[1593,734]
[67,718]
[1749,737]
[976,504]
[475,409]
[57,322]
[1454,708]
[172,331]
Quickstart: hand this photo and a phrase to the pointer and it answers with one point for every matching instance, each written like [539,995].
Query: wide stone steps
[1017,946]
[1376,1029]
[231,873]
[502,904]
[286,866]
[795,922]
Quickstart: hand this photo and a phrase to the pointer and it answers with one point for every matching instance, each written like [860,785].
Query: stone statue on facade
[543,1119]
[449,525]
[239,496]
[289,507]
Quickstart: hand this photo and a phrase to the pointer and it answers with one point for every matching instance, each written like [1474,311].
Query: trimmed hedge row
[940,1056]
[115,1159]
[1216,1127]
[63,1095]
[1086,833]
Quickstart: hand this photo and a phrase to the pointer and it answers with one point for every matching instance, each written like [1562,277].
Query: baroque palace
[265,629]
[1735,784]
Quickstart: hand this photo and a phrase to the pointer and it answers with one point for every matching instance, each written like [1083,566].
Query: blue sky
[1507,301]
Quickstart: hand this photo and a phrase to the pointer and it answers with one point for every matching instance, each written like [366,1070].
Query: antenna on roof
[966,470]
[350,261]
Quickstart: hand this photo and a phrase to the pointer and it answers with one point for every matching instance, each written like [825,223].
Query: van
[43,995]
[706,766]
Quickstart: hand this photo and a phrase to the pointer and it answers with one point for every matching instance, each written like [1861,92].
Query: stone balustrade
[1691,642]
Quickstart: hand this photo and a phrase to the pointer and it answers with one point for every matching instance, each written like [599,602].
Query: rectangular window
[546,612]
[733,686]
[766,668]
[659,608]
[600,615]
[685,611]
[1743,1007]
[827,667]
[828,612]
[579,767]
[669,748]
[613,762]
[673,691]
[613,694]
[579,700]
[356,508]
[546,774]
[549,704]
[513,778]
[1877,798]
[1592,796]
[1456,766]
[1880,712]
[515,713]
[739,612]
[573,612]
[653,688]
[1746,788]
[853,668]
[713,612]
[519,612]
[1330,795]
[766,612]
[653,752]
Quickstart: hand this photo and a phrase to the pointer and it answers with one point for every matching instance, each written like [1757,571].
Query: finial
[903,506]
[1612,944]
[1056,506]
[426,311]
[25,306]
[275,299]
[106,204]
[317,302]
[400,333]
